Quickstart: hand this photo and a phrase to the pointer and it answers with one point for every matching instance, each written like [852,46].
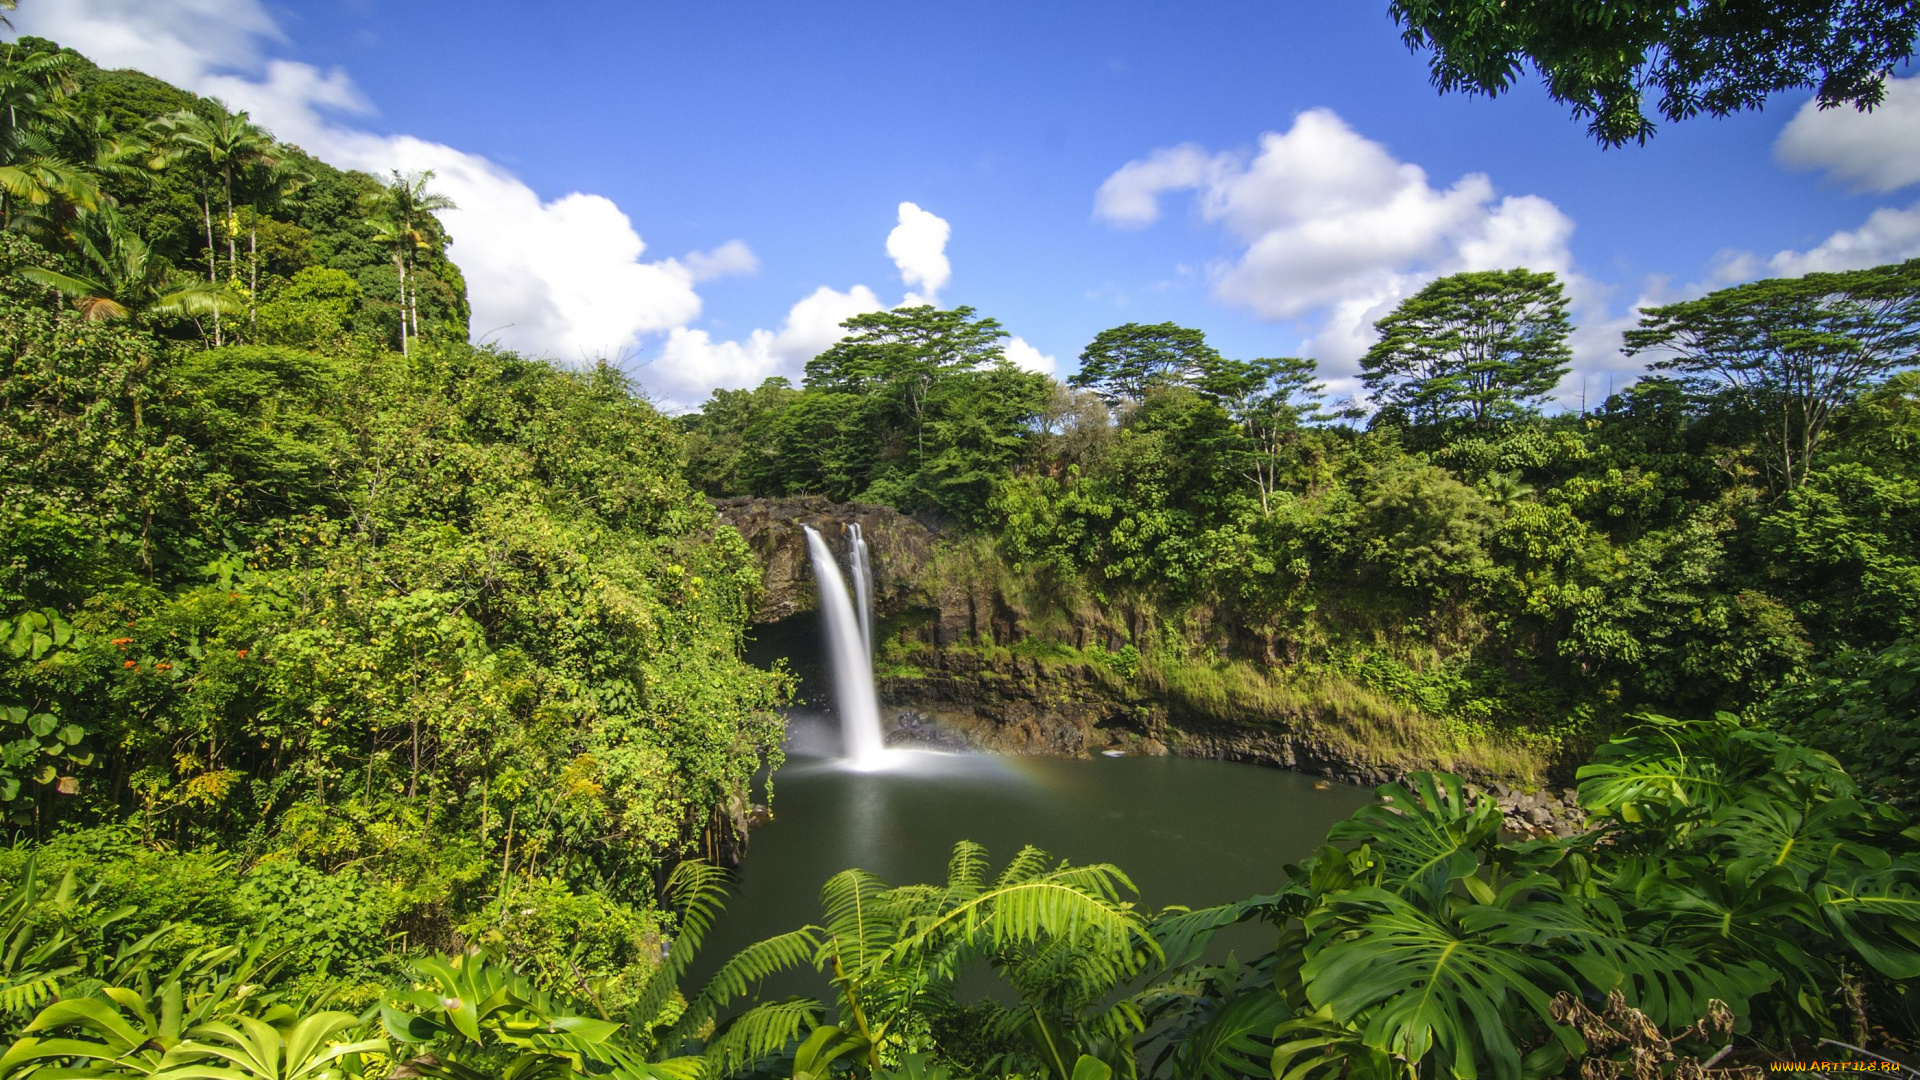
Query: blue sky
[1086,165]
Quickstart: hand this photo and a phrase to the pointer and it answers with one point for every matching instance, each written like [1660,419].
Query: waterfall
[862,588]
[848,651]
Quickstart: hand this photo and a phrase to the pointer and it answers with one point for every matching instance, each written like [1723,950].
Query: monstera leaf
[1672,985]
[1878,915]
[1427,837]
[1236,1043]
[1805,837]
[1413,984]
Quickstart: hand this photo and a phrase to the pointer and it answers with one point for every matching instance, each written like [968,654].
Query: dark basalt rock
[900,547]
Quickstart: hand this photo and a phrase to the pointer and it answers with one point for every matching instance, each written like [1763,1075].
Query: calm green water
[1186,831]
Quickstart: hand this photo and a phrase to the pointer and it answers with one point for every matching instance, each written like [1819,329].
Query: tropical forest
[384,702]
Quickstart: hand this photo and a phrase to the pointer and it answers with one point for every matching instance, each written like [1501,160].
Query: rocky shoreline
[1542,813]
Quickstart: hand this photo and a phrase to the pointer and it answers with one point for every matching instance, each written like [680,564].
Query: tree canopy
[1477,347]
[1717,57]
[1790,352]
[1123,363]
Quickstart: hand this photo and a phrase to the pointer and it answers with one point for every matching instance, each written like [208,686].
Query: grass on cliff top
[1350,721]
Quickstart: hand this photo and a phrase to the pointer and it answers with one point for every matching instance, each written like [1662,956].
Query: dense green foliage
[1738,894]
[437,643]
[917,408]
[373,705]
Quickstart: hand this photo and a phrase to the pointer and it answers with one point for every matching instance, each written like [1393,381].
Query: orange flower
[242,654]
[163,667]
[131,663]
[123,642]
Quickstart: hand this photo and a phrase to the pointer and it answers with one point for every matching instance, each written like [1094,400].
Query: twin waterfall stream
[849,620]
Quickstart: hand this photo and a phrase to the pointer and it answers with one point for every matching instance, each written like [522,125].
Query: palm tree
[34,174]
[32,169]
[123,279]
[398,213]
[225,145]
[269,186]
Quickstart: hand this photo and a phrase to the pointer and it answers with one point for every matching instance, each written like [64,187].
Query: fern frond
[743,971]
[859,918]
[34,992]
[699,891]
[1030,863]
[966,870]
[760,1033]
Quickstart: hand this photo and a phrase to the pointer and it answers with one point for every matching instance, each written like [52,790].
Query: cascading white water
[862,587]
[848,652]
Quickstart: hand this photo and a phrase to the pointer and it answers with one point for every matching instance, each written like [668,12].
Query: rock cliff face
[900,547]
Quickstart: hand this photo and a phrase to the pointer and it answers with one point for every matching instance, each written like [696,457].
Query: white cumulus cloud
[1888,235]
[918,246]
[1867,151]
[729,259]
[691,364]
[1330,226]
[1028,358]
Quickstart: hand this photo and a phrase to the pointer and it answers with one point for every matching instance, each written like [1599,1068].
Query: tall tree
[399,213]
[1703,56]
[1269,398]
[903,354]
[268,186]
[1479,346]
[1790,351]
[224,145]
[1123,363]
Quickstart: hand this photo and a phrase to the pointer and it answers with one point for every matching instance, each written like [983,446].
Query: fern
[743,971]
[698,890]
[761,1032]
[33,992]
